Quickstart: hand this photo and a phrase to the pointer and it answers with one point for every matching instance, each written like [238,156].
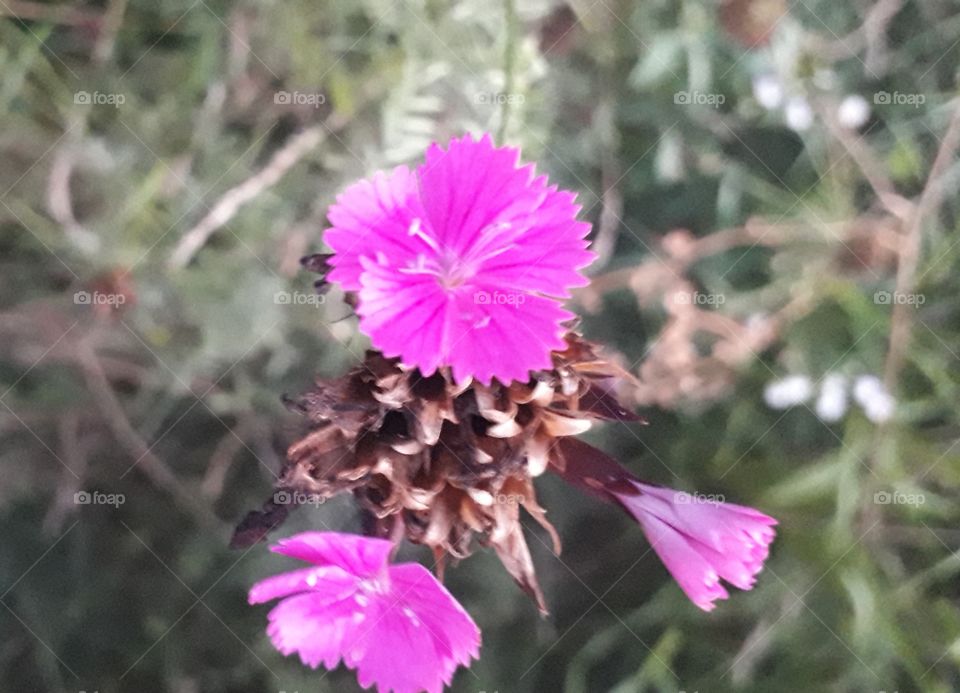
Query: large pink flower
[699,539]
[461,263]
[395,624]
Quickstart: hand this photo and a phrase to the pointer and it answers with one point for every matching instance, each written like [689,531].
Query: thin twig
[870,167]
[754,232]
[61,13]
[608,225]
[509,63]
[901,321]
[875,24]
[910,245]
[107,36]
[231,201]
[74,453]
[221,459]
[59,200]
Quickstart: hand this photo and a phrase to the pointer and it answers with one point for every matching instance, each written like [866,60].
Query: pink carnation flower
[699,540]
[461,263]
[395,624]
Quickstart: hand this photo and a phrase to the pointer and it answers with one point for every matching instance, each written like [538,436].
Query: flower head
[700,540]
[395,624]
[461,262]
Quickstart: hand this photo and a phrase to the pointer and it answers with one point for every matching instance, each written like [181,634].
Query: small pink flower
[700,540]
[395,624]
[461,263]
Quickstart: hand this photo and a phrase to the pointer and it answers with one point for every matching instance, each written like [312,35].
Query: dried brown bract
[443,462]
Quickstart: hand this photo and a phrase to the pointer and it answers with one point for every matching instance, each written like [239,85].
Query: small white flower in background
[832,402]
[865,386]
[880,409]
[788,392]
[798,114]
[870,393]
[768,91]
[853,112]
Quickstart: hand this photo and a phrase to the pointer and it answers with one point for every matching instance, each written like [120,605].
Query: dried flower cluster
[443,462]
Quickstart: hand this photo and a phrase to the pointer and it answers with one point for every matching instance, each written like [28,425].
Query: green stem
[509,61]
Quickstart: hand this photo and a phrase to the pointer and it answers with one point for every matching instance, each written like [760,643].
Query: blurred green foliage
[125,124]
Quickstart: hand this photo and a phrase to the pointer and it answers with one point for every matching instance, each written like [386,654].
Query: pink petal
[722,526]
[472,184]
[419,637]
[361,556]
[297,581]
[503,334]
[439,611]
[373,213]
[550,253]
[696,577]
[405,316]
[322,626]
[480,331]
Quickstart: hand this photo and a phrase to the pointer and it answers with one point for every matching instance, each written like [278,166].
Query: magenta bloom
[395,624]
[701,540]
[461,263]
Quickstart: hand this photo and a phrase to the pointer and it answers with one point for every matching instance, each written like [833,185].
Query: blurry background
[773,191]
